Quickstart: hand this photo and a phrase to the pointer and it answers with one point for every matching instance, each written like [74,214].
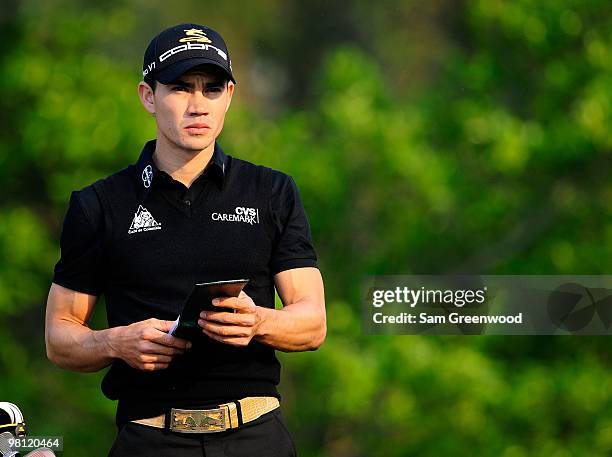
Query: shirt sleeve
[293,247]
[80,264]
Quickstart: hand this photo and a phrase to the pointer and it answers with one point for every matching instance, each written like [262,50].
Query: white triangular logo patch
[143,221]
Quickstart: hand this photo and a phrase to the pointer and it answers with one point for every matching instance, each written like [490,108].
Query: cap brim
[174,71]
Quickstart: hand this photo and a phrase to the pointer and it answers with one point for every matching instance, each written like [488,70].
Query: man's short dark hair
[152,83]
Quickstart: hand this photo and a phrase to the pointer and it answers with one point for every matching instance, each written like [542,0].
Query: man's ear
[147,97]
[230,92]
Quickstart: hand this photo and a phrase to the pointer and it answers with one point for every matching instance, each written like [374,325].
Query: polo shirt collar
[146,170]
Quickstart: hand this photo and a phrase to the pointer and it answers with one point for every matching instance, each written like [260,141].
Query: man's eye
[214,90]
[179,89]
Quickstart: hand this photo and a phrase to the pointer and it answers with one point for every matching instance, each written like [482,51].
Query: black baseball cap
[182,47]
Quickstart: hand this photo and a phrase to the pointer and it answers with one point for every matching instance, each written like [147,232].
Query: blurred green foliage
[468,137]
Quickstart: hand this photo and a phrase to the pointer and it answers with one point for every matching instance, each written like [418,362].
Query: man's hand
[237,328]
[146,345]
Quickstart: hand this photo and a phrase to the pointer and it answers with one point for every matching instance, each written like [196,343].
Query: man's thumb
[164,326]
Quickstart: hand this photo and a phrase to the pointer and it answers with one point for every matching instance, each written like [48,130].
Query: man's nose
[198,104]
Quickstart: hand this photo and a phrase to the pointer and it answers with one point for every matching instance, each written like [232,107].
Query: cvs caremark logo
[240,214]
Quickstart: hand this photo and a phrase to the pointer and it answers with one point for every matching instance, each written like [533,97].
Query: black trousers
[266,436]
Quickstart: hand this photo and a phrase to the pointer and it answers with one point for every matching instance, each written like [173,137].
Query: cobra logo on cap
[195,35]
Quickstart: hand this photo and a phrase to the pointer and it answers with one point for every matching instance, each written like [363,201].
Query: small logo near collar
[147,176]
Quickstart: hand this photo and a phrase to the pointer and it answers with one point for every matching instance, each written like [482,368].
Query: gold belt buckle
[198,421]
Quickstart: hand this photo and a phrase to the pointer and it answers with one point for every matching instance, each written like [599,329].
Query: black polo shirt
[143,240]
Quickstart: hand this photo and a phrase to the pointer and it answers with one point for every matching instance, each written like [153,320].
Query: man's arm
[72,345]
[299,326]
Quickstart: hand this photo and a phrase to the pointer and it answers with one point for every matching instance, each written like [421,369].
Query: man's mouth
[198,127]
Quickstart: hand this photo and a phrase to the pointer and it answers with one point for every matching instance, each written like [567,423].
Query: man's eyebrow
[180,82]
[215,83]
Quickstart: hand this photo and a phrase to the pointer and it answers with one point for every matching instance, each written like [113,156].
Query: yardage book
[200,299]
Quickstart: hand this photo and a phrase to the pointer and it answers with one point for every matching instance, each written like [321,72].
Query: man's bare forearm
[293,328]
[76,347]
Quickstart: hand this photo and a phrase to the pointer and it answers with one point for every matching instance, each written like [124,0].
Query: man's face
[190,111]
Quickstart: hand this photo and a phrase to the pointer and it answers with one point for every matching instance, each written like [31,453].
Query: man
[187,213]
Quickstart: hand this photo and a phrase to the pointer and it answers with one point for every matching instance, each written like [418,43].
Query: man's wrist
[106,338]
[265,315]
